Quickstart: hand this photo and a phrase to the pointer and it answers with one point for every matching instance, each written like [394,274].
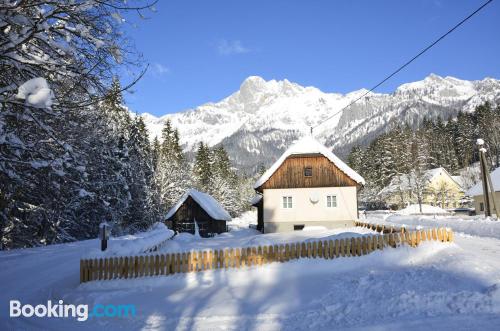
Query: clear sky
[201,51]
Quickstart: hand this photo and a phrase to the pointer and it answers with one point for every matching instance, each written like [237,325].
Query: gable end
[291,173]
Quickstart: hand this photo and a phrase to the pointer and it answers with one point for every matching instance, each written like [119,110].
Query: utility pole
[486,180]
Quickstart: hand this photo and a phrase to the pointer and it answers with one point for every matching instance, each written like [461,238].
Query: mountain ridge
[257,122]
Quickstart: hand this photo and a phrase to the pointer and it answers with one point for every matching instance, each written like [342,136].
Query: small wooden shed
[196,207]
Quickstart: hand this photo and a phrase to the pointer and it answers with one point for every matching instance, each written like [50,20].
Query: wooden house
[198,208]
[307,186]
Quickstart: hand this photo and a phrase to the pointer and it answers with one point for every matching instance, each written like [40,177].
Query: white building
[307,186]
[476,192]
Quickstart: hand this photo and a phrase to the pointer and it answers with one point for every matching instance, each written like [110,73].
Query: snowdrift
[426,209]
[135,244]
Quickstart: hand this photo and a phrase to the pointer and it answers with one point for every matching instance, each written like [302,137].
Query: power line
[406,64]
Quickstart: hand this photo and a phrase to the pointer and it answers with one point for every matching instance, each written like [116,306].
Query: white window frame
[287,202]
[329,201]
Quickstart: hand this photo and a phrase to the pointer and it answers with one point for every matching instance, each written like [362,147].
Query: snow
[459,180]
[207,202]
[256,199]
[478,188]
[443,286]
[247,237]
[309,145]
[474,226]
[404,182]
[480,142]
[244,221]
[426,209]
[36,92]
[138,243]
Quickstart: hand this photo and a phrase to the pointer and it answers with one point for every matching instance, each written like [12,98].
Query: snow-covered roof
[256,199]
[207,202]
[478,188]
[309,145]
[459,180]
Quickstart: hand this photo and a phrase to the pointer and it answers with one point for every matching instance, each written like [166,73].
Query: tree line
[71,155]
[450,144]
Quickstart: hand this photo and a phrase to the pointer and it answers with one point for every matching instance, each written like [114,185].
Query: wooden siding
[291,174]
[183,220]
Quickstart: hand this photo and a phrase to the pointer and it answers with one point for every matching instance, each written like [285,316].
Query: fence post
[380,242]
[89,270]
[250,261]
[450,235]
[352,246]
[157,264]
[162,264]
[211,259]
[82,271]
[440,234]
[237,258]
[314,249]
[204,260]
[434,235]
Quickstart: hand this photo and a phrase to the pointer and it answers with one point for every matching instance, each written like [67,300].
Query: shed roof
[211,206]
[307,145]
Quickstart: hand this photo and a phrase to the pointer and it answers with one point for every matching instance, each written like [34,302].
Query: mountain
[256,123]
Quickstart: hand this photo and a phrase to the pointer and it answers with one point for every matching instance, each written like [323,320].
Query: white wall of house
[304,211]
[479,202]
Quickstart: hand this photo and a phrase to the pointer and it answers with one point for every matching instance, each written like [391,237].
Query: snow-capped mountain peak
[257,122]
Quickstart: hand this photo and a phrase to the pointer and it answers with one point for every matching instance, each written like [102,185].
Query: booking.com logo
[62,310]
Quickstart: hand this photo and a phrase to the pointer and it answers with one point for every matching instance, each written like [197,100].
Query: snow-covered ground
[476,225]
[443,286]
[426,209]
[134,244]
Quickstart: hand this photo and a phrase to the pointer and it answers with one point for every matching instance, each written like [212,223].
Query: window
[331,201]
[481,206]
[298,227]
[308,171]
[287,202]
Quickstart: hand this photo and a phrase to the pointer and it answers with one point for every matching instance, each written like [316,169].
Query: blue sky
[201,51]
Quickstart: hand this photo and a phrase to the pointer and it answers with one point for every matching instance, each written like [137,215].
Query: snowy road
[446,286]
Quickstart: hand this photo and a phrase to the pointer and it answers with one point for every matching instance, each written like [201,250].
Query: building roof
[478,188]
[402,182]
[459,180]
[256,199]
[211,206]
[305,146]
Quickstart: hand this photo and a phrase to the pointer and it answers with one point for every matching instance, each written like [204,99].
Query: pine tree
[202,168]
[172,172]
[224,182]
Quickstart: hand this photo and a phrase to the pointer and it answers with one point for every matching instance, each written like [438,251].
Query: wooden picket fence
[126,267]
[380,228]
[447,235]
